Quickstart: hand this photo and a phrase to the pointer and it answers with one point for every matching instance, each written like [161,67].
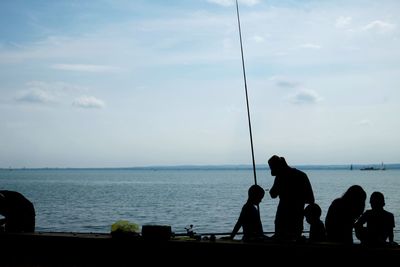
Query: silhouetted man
[294,191]
[18,212]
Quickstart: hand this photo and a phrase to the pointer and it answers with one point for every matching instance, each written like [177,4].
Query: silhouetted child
[249,218]
[312,214]
[380,223]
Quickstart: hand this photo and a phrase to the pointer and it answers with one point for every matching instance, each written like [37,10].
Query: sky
[118,83]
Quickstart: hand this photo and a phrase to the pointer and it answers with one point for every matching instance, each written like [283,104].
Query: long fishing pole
[247,97]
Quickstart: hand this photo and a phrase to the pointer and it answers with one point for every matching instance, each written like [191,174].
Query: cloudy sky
[118,83]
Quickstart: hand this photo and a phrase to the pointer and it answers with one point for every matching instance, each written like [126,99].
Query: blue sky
[138,83]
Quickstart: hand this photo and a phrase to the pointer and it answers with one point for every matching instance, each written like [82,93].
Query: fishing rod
[245,89]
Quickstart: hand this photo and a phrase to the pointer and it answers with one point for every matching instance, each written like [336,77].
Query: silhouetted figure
[249,218]
[312,213]
[342,214]
[380,223]
[189,230]
[294,191]
[18,212]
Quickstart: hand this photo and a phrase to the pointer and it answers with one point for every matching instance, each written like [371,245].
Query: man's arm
[309,194]
[274,191]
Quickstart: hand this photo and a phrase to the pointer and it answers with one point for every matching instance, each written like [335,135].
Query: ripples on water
[211,200]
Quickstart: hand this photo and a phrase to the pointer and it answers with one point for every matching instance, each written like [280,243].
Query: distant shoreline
[355,167]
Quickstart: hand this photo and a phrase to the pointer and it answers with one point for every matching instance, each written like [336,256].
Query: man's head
[277,165]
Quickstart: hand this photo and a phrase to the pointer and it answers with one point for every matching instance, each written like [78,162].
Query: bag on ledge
[123,228]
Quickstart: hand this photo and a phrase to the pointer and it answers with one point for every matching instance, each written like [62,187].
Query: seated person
[249,218]
[312,214]
[380,223]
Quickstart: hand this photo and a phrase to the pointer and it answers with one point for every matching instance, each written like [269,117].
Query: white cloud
[284,82]
[88,102]
[35,95]
[305,96]
[232,2]
[379,27]
[47,92]
[343,22]
[287,84]
[84,67]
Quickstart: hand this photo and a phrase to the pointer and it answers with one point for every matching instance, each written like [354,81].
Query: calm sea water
[91,200]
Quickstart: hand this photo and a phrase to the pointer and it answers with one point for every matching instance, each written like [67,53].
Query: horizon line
[210,166]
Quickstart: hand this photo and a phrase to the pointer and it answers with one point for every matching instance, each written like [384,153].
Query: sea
[208,199]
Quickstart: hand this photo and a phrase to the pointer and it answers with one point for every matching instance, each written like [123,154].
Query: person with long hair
[343,213]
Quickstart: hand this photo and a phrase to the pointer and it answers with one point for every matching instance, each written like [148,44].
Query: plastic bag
[125,227]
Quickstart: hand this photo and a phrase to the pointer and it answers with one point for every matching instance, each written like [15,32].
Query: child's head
[256,194]
[377,200]
[312,212]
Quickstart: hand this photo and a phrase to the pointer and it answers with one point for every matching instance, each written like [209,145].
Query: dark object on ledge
[156,232]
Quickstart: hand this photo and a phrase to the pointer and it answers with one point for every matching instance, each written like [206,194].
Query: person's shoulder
[299,173]
[247,205]
[293,169]
[337,201]
[388,213]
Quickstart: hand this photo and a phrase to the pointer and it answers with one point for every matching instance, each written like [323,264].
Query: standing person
[380,223]
[294,190]
[18,212]
[317,228]
[249,218]
[342,214]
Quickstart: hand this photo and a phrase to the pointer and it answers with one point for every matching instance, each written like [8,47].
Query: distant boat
[371,168]
[383,167]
